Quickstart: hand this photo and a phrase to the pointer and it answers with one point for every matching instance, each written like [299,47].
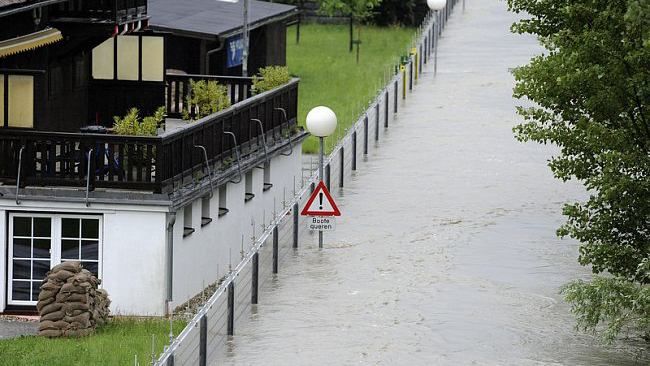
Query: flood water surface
[446,252]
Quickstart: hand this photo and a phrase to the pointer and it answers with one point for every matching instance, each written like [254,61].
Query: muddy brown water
[446,253]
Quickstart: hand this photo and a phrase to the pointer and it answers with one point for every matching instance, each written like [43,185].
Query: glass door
[30,255]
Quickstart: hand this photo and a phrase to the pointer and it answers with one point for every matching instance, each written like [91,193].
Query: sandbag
[70,307]
[73,289]
[72,297]
[48,324]
[51,333]
[50,286]
[45,294]
[70,304]
[81,318]
[54,316]
[72,266]
[43,303]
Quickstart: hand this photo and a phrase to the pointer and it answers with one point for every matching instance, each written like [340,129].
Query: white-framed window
[37,242]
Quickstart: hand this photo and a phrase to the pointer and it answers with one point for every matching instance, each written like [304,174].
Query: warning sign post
[321,203]
[322,210]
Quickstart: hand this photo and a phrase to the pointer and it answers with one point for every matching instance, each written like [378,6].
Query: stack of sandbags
[70,303]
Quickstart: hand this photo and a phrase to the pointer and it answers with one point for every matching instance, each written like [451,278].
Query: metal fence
[203,340]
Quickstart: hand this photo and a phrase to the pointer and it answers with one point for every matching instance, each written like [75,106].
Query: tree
[591,89]
[356,10]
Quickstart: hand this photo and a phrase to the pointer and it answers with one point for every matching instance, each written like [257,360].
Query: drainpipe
[209,53]
[169,270]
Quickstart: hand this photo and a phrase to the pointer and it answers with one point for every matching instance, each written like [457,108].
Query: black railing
[156,164]
[117,11]
[178,88]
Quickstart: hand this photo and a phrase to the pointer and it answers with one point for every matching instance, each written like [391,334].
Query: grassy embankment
[117,343]
[330,75]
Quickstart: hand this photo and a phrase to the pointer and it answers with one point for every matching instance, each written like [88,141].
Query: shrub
[133,126]
[270,77]
[400,12]
[204,99]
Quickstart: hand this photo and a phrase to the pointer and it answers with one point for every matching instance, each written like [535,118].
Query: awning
[29,42]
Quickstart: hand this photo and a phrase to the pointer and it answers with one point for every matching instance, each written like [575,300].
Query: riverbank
[117,343]
[329,74]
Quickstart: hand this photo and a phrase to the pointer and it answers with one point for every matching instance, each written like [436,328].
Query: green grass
[330,76]
[117,343]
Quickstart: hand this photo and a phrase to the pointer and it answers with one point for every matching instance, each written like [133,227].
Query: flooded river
[446,253]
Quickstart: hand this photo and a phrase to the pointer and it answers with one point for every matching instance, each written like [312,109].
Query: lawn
[117,343]
[330,76]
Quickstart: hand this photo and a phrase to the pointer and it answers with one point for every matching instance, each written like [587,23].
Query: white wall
[133,252]
[134,262]
[3,261]
[204,256]
[134,240]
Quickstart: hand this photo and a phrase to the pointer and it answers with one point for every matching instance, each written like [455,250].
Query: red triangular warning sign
[321,203]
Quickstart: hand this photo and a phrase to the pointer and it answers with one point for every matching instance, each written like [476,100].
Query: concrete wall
[204,256]
[132,251]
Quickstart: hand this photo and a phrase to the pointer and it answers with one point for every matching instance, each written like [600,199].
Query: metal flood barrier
[204,339]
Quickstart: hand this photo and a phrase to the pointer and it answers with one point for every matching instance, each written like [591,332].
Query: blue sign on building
[234,51]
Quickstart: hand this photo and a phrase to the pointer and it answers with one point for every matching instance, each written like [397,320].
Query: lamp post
[436,6]
[321,122]
[244,59]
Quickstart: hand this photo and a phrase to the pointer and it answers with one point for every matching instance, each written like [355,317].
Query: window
[127,57]
[188,229]
[80,242]
[267,176]
[223,204]
[205,211]
[134,57]
[39,242]
[248,195]
[19,111]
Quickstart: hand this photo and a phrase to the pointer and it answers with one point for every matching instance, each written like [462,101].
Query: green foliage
[205,98]
[400,12]
[330,76]
[270,77]
[592,89]
[133,126]
[357,9]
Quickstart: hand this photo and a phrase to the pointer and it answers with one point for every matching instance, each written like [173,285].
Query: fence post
[255,279]
[395,98]
[377,121]
[342,167]
[354,150]
[327,175]
[411,74]
[295,224]
[365,135]
[276,238]
[231,308]
[386,110]
[203,340]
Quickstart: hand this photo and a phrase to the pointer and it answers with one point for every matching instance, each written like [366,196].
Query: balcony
[158,164]
[102,11]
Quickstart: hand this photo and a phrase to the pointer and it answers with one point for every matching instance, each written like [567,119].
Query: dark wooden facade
[65,96]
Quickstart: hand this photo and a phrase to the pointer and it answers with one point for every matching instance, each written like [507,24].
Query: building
[155,217]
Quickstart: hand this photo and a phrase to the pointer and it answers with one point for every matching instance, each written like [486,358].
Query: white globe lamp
[321,121]
[436,4]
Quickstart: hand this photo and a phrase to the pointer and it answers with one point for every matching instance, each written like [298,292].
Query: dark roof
[210,18]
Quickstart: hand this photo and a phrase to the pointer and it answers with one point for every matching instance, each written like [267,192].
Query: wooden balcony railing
[178,87]
[117,11]
[156,164]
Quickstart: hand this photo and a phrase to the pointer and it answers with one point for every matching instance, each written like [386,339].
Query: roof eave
[227,33]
